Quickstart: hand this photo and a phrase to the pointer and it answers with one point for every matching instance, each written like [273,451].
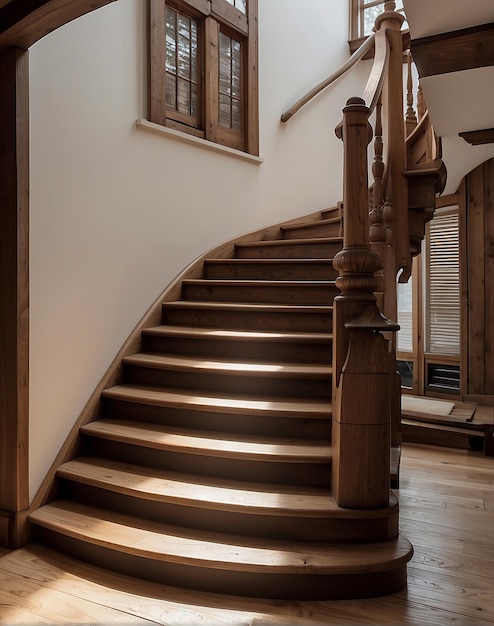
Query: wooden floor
[447,512]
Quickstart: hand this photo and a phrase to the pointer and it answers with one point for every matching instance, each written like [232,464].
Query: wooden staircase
[208,465]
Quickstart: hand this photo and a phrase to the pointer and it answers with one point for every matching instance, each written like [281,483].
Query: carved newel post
[362,357]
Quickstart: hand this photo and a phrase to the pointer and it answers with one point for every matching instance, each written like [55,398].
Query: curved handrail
[373,89]
[353,60]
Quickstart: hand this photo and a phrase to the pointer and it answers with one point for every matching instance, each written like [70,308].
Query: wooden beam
[23,22]
[478,137]
[454,51]
[14,287]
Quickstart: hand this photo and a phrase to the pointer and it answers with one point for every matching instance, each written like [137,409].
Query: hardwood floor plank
[450,581]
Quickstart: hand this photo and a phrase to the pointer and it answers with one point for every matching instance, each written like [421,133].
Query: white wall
[117,212]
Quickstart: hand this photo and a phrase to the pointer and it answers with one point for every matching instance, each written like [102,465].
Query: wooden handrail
[353,60]
[374,86]
[373,89]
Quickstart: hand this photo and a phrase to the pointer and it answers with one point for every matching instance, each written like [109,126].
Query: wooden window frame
[214,16]
[357,37]
[420,357]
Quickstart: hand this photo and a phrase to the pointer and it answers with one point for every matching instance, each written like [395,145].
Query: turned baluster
[410,117]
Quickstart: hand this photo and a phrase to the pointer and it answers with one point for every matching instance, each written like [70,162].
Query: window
[442,285]
[364,14]
[204,69]
[429,310]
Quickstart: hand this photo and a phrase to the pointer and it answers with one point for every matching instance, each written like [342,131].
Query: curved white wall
[117,212]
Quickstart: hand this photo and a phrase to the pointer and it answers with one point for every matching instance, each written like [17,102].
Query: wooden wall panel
[14,285]
[480,278]
[476,282]
[489,277]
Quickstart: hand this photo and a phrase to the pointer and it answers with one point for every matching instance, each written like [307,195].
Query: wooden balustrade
[380,236]
[375,234]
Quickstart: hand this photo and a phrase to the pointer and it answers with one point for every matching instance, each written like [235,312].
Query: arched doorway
[21,25]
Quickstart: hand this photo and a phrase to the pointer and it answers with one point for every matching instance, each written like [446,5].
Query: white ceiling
[458,101]
[429,17]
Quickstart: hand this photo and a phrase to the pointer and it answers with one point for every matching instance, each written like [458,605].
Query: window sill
[196,141]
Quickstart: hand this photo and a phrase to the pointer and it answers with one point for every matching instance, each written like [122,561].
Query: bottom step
[442,435]
[221,563]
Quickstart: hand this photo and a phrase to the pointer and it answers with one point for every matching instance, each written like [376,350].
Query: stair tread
[167,543]
[206,443]
[247,306]
[460,430]
[288,242]
[235,261]
[186,363]
[249,282]
[242,335]
[211,493]
[310,224]
[200,400]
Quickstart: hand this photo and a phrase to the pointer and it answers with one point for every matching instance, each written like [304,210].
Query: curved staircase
[208,465]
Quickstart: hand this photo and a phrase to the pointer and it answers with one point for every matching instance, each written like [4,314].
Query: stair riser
[303,586]
[285,527]
[309,474]
[317,250]
[270,294]
[239,423]
[270,271]
[315,231]
[248,320]
[252,349]
[287,387]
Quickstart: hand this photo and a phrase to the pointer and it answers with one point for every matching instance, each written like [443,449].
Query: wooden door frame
[21,24]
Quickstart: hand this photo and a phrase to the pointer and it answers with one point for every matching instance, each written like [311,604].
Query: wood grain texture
[24,23]
[455,51]
[14,285]
[446,500]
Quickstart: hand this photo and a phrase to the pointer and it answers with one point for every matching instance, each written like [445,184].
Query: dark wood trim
[478,137]
[23,22]
[454,51]
[14,284]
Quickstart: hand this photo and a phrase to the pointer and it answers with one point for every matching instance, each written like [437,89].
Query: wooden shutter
[442,285]
[405,317]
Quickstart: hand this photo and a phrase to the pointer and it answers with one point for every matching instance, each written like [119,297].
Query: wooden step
[334,211]
[442,435]
[304,292]
[223,504]
[270,269]
[214,562]
[203,443]
[322,248]
[231,404]
[223,413]
[263,317]
[241,457]
[276,379]
[329,227]
[219,343]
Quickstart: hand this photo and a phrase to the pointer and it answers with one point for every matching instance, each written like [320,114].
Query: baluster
[410,118]
[377,231]
[421,108]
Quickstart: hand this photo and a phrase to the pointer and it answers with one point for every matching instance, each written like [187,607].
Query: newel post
[362,357]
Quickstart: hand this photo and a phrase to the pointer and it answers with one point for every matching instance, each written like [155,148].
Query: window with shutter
[442,285]
[428,342]
[203,66]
